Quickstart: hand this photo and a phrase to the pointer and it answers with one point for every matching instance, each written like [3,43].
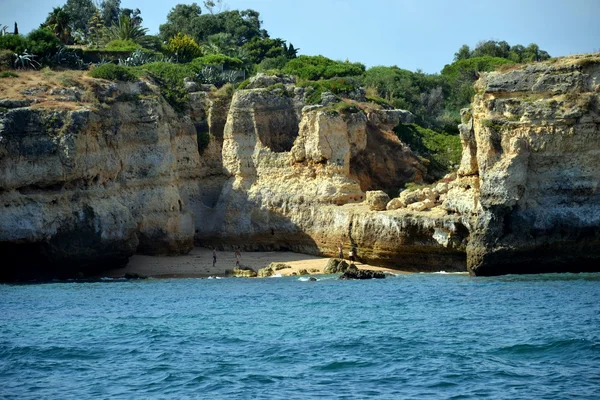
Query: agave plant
[137,58]
[69,58]
[26,60]
[3,30]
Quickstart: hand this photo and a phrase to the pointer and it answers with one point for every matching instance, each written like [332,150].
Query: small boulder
[418,206]
[303,272]
[264,272]
[275,266]
[312,279]
[244,272]
[362,274]
[189,85]
[395,204]
[335,266]
[377,200]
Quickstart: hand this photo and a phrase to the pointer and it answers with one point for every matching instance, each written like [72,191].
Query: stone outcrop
[86,188]
[83,187]
[530,173]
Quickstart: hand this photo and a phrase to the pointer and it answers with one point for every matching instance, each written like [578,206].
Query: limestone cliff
[531,168]
[87,180]
[85,185]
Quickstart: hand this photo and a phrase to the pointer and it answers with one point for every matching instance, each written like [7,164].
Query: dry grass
[42,82]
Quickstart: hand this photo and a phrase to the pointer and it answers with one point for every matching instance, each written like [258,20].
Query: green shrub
[203,140]
[243,85]
[15,43]
[113,72]
[335,86]
[169,77]
[218,59]
[442,150]
[183,47]
[319,67]
[122,45]
[8,74]
[271,64]
[42,42]
[7,57]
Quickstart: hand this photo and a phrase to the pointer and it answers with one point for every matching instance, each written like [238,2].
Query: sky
[412,34]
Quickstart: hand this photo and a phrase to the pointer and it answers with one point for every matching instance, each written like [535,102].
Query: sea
[413,336]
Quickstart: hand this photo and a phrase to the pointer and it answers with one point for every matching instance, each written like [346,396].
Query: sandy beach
[198,264]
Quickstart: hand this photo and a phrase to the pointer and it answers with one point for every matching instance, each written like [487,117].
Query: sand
[198,264]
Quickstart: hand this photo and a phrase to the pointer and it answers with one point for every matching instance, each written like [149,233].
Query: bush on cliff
[113,72]
[335,86]
[319,67]
[169,77]
[228,63]
[461,75]
[442,150]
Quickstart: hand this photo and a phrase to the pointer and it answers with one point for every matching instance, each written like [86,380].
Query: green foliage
[169,77]
[243,85]
[496,49]
[422,94]
[154,43]
[7,57]
[15,43]
[183,47]
[270,64]
[218,59]
[203,138]
[110,12]
[122,45]
[319,67]
[258,49]
[441,149]
[113,72]
[461,75]
[127,30]
[242,26]
[8,74]
[58,21]
[80,12]
[335,86]
[42,42]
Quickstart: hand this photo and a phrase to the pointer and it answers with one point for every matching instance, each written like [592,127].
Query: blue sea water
[420,336]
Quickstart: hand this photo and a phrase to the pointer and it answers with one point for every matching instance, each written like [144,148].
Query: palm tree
[127,30]
[58,22]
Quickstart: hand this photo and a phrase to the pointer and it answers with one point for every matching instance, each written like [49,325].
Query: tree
[16,31]
[110,12]
[259,49]
[463,53]
[127,30]
[95,28]
[182,18]
[243,26]
[134,15]
[290,51]
[214,7]
[80,13]
[58,22]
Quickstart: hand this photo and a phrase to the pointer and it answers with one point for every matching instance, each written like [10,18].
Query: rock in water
[354,273]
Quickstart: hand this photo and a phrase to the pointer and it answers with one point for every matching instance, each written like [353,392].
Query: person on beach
[341,251]
[351,256]
[238,256]
[214,256]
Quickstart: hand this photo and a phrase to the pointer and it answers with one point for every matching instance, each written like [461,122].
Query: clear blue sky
[411,34]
